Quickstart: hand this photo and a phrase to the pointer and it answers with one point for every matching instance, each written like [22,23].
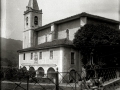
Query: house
[48,47]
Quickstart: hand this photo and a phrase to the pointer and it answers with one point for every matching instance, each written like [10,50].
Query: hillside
[9,55]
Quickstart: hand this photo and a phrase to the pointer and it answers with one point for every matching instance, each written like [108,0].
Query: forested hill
[9,55]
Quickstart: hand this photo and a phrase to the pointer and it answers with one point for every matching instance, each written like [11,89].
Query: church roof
[52,44]
[84,14]
[33,4]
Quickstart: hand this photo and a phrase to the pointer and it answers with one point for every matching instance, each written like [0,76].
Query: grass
[23,86]
[32,86]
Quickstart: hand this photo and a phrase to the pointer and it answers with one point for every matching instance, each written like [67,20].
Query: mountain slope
[9,55]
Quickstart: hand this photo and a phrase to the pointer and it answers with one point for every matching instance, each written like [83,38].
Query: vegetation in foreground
[99,42]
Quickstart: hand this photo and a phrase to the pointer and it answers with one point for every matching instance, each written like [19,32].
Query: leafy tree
[22,74]
[97,41]
[9,74]
[1,74]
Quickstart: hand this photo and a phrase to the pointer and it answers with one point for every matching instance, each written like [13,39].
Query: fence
[26,80]
[106,73]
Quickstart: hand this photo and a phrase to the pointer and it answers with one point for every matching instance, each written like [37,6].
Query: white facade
[45,61]
[50,46]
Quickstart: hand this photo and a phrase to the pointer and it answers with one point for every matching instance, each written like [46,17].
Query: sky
[13,18]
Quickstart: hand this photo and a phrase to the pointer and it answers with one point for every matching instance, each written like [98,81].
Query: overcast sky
[13,19]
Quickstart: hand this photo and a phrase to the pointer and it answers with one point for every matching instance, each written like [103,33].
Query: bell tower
[32,20]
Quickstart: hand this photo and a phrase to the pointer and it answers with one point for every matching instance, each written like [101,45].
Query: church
[48,47]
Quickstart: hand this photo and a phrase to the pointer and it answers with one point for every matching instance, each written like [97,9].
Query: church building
[48,47]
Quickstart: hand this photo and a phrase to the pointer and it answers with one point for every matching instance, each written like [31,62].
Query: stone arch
[26,20]
[51,73]
[32,72]
[36,20]
[31,69]
[40,72]
[72,68]
[72,76]
[24,68]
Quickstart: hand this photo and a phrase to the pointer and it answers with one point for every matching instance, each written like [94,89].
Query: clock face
[36,20]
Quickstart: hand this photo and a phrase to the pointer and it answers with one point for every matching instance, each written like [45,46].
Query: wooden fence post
[75,80]
[57,80]
[28,82]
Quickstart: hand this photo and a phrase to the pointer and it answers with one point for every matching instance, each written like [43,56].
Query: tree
[32,72]
[99,39]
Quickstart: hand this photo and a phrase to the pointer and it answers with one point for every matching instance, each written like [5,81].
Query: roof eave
[76,17]
[42,48]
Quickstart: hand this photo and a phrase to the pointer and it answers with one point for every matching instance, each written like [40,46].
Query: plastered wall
[72,26]
[43,34]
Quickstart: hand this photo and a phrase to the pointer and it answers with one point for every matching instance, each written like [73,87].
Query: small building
[48,47]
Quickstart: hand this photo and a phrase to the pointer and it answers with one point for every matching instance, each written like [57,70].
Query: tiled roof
[52,44]
[78,16]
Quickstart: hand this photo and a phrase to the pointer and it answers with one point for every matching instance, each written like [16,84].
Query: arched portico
[72,76]
[40,72]
[51,73]
[24,69]
[32,72]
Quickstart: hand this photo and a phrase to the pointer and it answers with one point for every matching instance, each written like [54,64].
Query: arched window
[26,20]
[36,20]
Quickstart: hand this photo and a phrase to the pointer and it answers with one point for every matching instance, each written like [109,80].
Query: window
[72,57]
[46,38]
[67,34]
[31,56]
[36,20]
[40,55]
[51,54]
[27,21]
[24,56]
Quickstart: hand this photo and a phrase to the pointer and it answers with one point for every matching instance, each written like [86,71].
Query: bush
[32,72]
